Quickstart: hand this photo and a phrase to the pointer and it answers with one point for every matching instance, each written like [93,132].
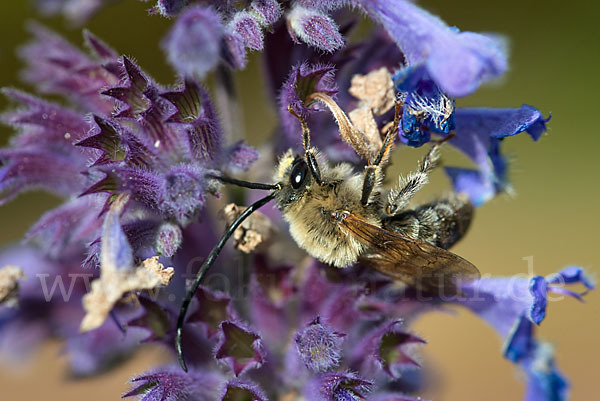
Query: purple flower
[98,350]
[319,346]
[42,155]
[302,81]
[267,12]
[168,239]
[249,29]
[544,380]
[240,348]
[426,108]
[76,11]
[478,134]
[337,386]
[193,45]
[195,114]
[386,348]
[212,309]
[172,384]
[504,302]
[458,62]
[152,143]
[54,66]
[314,28]
[135,163]
[242,390]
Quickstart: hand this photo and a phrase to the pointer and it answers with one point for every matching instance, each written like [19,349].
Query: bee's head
[294,175]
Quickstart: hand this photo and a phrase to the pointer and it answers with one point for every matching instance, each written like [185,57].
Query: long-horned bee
[341,216]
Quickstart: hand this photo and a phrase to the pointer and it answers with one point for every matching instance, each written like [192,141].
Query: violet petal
[239,348]
[457,61]
[213,308]
[192,45]
[242,390]
[173,384]
[336,386]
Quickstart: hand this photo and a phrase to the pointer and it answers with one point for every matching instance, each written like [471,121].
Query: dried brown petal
[375,89]
[9,284]
[254,231]
[362,118]
[114,283]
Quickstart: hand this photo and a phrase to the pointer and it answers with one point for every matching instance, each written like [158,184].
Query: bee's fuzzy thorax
[307,211]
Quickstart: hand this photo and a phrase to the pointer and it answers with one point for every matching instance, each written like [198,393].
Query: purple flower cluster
[135,163]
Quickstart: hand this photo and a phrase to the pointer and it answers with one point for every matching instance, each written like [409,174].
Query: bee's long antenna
[207,264]
[244,184]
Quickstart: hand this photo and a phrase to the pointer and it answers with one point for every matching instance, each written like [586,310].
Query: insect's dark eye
[299,172]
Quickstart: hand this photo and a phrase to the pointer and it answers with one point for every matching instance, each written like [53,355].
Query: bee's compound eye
[299,172]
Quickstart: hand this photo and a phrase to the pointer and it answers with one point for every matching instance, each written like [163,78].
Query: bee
[341,217]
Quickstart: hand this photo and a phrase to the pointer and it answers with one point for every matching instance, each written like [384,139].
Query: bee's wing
[419,264]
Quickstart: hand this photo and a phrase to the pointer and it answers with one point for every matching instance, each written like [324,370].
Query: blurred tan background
[554,218]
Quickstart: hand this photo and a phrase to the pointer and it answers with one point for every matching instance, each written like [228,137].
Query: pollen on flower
[438,108]
[9,284]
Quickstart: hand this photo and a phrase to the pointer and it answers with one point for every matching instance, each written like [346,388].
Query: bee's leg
[309,152]
[398,198]
[348,132]
[373,170]
[441,223]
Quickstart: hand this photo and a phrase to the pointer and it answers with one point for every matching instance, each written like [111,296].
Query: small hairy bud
[168,239]
[319,347]
[266,12]
[183,193]
[314,28]
[193,44]
[249,30]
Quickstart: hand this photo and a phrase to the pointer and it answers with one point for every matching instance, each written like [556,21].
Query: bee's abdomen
[442,223]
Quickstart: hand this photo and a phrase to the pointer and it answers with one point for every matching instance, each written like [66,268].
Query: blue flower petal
[571,275]
[472,182]
[477,134]
[426,108]
[545,382]
[538,287]
[503,301]
[520,341]
[457,61]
